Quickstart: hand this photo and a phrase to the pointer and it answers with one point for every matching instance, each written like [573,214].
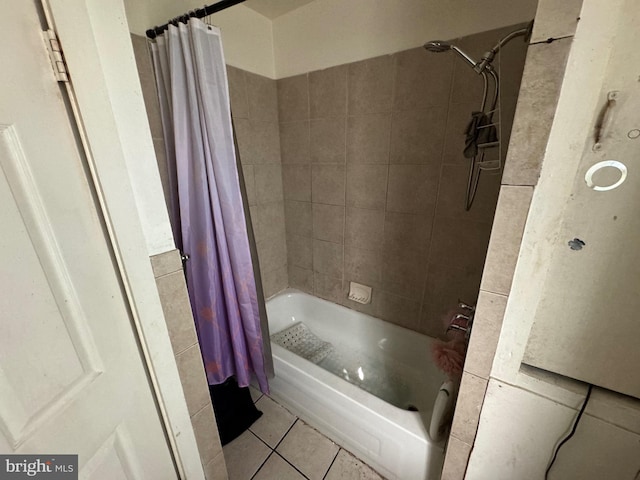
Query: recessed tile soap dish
[359,293]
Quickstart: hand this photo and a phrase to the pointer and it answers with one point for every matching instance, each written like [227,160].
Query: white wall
[325,33]
[246,35]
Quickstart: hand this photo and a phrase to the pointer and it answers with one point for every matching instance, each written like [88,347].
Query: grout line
[262,464]
[332,462]
[177,354]
[551,40]
[286,433]
[291,465]
[262,441]
[343,280]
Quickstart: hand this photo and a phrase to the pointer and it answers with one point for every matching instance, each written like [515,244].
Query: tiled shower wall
[254,107]
[374,179]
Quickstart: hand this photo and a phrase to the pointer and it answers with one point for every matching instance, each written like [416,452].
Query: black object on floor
[234,408]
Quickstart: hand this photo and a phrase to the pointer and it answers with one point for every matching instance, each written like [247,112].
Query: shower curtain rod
[197,13]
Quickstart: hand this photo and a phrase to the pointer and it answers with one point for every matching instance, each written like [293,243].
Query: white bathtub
[392,440]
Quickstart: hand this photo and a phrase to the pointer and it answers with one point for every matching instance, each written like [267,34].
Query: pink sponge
[449,357]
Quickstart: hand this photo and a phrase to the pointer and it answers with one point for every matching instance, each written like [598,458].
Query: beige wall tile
[537,103]
[293,98]
[264,143]
[328,140]
[371,86]
[327,287]
[328,92]
[328,222]
[467,85]
[272,253]
[165,263]
[268,183]
[555,19]
[367,186]
[506,236]
[467,414]
[415,68]
[511,61]
[274,281]
[177,311]
[328,184]
[445,287]
[364,228]
[507,114]
[294,142]
[460,244]
[249,183]
[300,251]
[328,258]
[406,235]
[412,188]
[296,180]
[404,276]
[455,462]
[368,138]
[458,118]
[193,379]
[298,218]
[453,191]
[258,142]
[301,278]
[363,266]
[417,136]
[263,98]
[269,221]
[399,310]
[216,469]
[485,333]
[237,92]
[243,130]
[206,431]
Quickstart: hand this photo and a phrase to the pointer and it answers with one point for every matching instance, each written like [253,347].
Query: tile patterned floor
[279,446]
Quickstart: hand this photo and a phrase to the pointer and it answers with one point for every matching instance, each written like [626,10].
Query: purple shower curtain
[206,205]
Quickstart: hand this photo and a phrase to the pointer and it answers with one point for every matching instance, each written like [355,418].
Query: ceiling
[274,8]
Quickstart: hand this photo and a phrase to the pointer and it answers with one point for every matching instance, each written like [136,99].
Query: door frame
[110,119]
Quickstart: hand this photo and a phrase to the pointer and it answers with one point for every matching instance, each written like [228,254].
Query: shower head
[438,46]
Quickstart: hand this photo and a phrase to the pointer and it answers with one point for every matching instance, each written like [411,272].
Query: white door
[72,379]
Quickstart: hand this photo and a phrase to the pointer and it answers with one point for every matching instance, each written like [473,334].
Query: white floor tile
[274,422]
[348,467]
[255,393]
[309,451]
[244,456]
[277,469]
